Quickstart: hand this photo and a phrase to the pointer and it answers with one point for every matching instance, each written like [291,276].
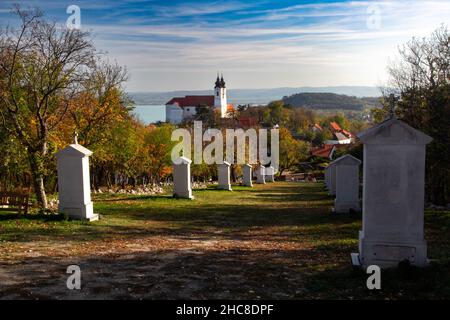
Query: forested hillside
[313,100]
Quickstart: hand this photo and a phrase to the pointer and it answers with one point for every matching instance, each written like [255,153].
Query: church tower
[220,96]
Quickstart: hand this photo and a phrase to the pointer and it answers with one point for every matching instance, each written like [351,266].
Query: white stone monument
[260,174]
[182,178]
[326,178]
[347,184]
[331,178]
[270,174]
[248,175]
[74,186]
[393,195]
[223,170]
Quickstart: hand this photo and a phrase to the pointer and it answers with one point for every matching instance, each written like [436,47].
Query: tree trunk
[38,180]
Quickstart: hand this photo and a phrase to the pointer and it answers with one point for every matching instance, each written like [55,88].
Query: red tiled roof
[348,134]
[318,126]
[339,136]
[325,151]
[335,126]
[193,101]
[230,107]
[247,121]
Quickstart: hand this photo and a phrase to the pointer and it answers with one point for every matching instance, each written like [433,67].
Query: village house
[340,136]
[324,151]
[317,128]
[184,108]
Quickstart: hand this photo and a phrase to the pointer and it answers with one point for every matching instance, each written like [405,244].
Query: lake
[150,113]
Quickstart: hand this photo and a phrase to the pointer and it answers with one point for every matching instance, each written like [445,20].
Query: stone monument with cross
[393,194]
[74,189]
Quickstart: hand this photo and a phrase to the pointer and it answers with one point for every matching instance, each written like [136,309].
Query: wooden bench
[14,201]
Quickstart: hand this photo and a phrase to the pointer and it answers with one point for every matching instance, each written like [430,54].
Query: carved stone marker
[74,186]
[260,174]
[347,184]
[327,178]
[331,169]
[393,195]
[270,174]
[247,168]
[182,178]
[223,171]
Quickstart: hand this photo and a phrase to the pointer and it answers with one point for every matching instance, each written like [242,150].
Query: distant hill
[253,96]
[330,101]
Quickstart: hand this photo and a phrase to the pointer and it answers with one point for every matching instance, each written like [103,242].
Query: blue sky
[176,45]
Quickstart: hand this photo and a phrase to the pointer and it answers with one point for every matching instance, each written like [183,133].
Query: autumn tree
[42,68]
[115,160]
[48,73]
[276,113]
[205,114]
[159,145]
[101,104]
[339,118]
[422,78]
[292,151]
[301,120]
[13,157]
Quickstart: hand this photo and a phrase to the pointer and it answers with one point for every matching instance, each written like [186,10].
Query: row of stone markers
[74,193]
[182,177]
[393,194]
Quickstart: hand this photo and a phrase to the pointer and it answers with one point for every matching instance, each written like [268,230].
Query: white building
[339,138]
[179,109]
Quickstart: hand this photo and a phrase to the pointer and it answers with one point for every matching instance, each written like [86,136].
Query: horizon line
[268,88]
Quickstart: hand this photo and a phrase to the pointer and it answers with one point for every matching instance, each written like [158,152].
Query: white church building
[179,109]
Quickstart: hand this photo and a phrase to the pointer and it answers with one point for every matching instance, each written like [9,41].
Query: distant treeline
[251,96]
[330,101]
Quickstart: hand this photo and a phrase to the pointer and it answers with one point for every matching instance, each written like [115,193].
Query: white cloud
[196,9]
[305,44]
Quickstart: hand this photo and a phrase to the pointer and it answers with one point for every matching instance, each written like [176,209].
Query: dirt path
[275,241]
[157,268]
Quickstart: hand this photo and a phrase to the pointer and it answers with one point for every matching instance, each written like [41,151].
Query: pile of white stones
[149,189]
[52,204]
[201,185]
[139,190]
[438,208]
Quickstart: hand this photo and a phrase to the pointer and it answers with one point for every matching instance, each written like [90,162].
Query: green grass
[285,232]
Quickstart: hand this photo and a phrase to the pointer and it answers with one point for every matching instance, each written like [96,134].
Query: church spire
[220,96]
[218,82]
[222,82]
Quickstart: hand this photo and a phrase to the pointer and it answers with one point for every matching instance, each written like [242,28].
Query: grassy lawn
[277,241]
